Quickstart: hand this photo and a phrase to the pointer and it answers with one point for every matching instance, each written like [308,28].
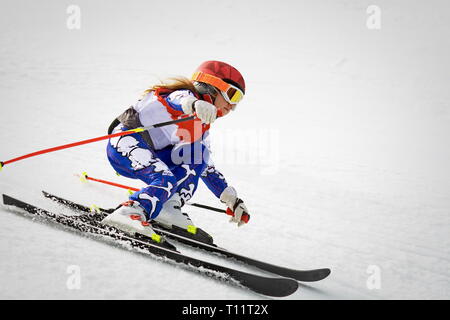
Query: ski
[276,287]
[299,275]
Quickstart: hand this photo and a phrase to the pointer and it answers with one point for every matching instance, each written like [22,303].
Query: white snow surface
[340,148]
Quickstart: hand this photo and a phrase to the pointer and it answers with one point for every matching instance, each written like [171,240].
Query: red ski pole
[79,143]
[84,177]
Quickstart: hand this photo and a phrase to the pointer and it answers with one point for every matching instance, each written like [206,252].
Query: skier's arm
[176,98]
[186,102]
[216,182]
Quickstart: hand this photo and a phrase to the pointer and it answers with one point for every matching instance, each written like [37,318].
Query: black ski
[276,287]
[300,275]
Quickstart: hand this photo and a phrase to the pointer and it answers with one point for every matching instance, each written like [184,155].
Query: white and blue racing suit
[168,159]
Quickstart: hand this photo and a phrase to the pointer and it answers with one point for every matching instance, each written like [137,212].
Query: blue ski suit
[169,159]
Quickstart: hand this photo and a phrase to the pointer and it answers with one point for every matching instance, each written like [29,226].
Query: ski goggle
[230,93]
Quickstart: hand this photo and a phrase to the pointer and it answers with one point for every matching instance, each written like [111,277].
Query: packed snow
[340,148]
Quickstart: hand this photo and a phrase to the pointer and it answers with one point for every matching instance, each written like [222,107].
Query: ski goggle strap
[231,93]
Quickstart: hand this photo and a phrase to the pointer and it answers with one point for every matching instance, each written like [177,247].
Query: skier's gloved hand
[240,212]
[205,111]
[187,104]
[229,197]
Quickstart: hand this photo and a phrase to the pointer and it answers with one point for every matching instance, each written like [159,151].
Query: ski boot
[172,219]
[130,218]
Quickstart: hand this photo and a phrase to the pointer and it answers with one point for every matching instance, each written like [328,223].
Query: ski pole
[84,177]
[79,143]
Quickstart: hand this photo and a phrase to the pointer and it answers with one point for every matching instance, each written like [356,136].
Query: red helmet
[222,76]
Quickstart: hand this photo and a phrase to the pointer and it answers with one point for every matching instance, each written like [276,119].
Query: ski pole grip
[245,217]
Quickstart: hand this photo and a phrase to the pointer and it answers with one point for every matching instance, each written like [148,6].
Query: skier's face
[222,105]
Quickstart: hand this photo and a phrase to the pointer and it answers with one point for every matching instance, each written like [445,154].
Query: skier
[171,159]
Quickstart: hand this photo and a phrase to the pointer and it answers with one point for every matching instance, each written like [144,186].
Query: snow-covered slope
[340,148]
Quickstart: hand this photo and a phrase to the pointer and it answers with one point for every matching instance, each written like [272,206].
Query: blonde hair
[173,84]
